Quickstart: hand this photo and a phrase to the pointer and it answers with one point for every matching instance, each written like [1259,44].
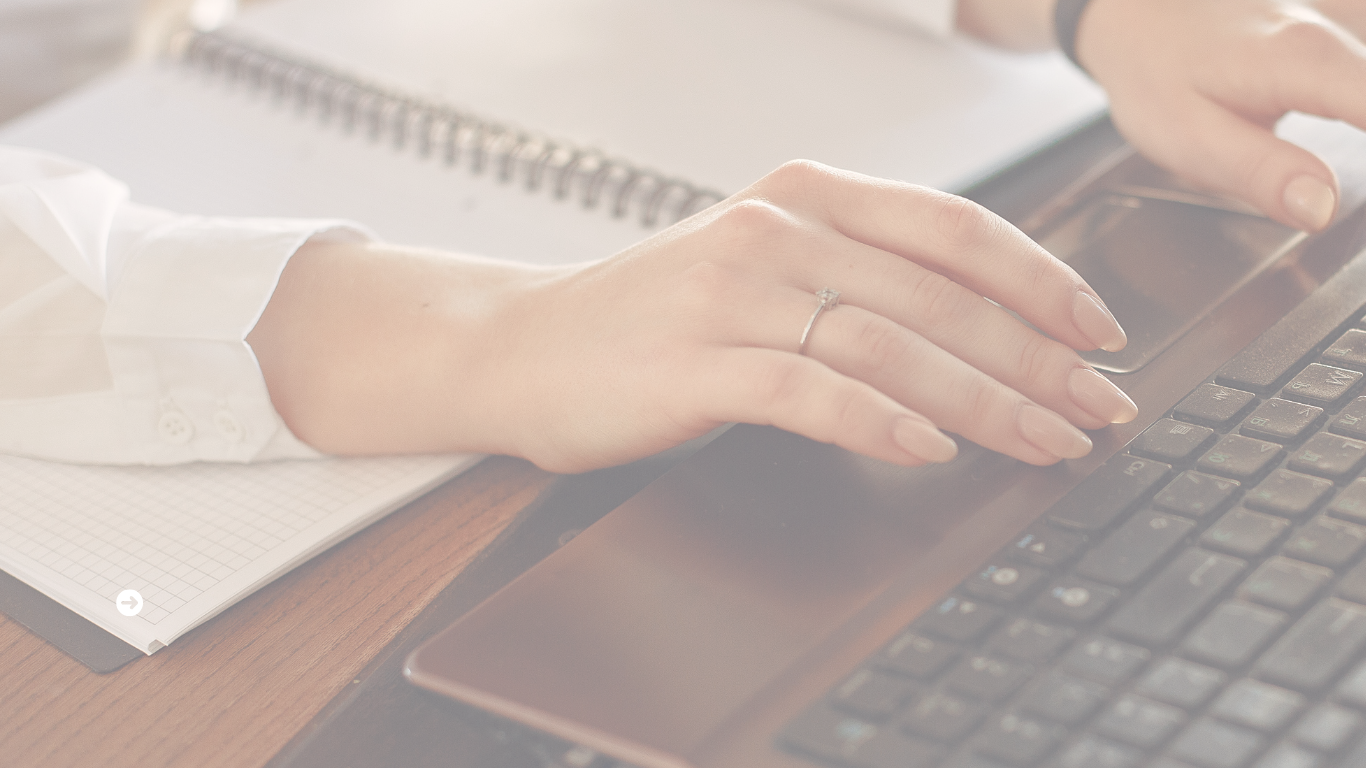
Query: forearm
[1022,25]
[370,348]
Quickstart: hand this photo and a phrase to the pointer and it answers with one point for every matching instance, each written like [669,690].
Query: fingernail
[1311,202]
[1096,395]
[924,441]
[1051,433]
[1097,324]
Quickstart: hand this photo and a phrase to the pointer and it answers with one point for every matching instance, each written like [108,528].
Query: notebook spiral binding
[456,137]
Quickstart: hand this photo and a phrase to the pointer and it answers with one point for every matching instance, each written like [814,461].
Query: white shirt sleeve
[937,17]
[123,327]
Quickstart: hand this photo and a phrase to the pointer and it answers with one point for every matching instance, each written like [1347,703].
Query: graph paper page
[191,539]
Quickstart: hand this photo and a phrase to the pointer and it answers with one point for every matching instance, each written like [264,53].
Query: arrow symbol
[129,602]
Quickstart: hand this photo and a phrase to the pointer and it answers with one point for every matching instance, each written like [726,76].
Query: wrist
[372,349]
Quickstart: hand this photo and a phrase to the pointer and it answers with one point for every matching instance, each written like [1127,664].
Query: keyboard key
[942,716]
[1002,582]
[1353,584]
[873,695]
[1171,440]
[1349,351]
[1075,601]
[1350,504]
[1326,541]
[1317,648]
[1352,689]
[1017,740]
[1242,458]
[1350,421]
[1062,698]
[1327,727]
[1285,584]
[958,619]
[1031,641]
[918,656]
[1328,455]
[1281,421]
[1212,744]
[1047,547]
[1286,755]
[1214,406]
[1105,660]
[1288,494]
[986,677]
[832,736]
[1179,593]
[1139,721]
[1257,705]
[1095,752]
[1321,385]
[1245,533]
[1195,494]
[1134,548]
[1108,493]
[1184,683]
[1233,634]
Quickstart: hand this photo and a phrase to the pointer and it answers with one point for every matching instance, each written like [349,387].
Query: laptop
[1190,595]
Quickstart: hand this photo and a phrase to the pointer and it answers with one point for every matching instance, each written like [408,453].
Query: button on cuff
[228,426]
[175,427]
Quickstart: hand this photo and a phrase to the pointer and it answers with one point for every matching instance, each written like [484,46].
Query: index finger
[957,238]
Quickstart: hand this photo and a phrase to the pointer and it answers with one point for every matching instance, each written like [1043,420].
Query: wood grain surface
[235,690]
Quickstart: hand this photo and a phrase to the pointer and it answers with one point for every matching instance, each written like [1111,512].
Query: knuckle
[799,172]
[757,218]
[780,383]
[979,400]
[964,225]
[845,407]
[882,344]
[940,302]
[1035,357]
[795,180]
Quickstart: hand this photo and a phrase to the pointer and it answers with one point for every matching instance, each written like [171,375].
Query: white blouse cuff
[175,330]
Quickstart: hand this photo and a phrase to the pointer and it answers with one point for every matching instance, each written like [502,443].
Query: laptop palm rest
[652,627]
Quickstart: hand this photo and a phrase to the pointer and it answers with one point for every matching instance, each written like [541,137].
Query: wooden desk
[237,689]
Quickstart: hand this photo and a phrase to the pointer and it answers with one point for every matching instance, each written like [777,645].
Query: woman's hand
[378,349]
[1198,86]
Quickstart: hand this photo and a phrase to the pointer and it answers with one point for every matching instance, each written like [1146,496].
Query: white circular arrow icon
[129,602]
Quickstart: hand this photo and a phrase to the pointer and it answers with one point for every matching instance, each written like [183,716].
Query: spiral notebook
[358,108]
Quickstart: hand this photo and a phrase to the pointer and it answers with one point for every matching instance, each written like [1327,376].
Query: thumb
[1226,152]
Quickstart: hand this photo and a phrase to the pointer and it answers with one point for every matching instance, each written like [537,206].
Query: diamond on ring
[829,298]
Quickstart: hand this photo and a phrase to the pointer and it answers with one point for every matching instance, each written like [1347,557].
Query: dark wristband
[1066,18]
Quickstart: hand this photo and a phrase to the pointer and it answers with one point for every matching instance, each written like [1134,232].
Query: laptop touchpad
[1162,265]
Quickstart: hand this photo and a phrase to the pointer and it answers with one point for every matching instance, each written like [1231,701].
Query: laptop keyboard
[1199,601]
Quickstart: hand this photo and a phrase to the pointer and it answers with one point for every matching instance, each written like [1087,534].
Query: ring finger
[924,377]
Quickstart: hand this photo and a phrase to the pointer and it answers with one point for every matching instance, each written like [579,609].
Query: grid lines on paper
[170,532]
